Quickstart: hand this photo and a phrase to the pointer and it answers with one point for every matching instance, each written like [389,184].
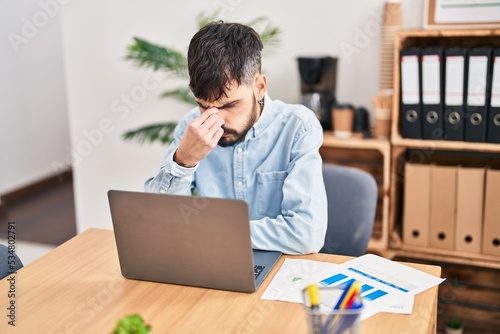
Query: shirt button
[239,184]
[239,150]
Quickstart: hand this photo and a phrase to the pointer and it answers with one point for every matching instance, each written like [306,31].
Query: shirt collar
[264,119]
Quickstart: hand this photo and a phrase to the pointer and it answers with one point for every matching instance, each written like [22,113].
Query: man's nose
[219,112]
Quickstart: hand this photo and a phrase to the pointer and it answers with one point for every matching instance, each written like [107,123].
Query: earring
[261,102]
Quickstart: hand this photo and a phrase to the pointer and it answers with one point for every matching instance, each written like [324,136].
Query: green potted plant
[132,324]
[454,326]
[174,63]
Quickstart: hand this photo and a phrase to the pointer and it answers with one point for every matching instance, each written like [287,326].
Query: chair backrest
[352,199]
[9,263]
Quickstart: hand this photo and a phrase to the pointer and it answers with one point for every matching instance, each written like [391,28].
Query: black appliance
[318,77]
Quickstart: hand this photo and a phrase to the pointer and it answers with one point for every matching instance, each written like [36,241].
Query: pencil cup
[326,320]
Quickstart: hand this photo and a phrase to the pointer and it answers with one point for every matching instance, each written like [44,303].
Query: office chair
[5,266]
[352,199]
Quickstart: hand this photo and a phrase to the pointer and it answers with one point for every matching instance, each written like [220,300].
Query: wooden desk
[78,288]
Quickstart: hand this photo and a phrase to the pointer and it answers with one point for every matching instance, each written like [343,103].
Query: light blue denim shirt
[276,169]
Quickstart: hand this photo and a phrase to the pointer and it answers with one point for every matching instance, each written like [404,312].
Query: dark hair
[219,54]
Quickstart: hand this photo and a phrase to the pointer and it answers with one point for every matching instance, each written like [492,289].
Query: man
[238,143]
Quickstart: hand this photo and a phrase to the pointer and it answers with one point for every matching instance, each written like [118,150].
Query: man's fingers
[209,122]
[217,136]
[204,116]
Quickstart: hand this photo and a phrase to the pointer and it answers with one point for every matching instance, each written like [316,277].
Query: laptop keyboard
[257,270]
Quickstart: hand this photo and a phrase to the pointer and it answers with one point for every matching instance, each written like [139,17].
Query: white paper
[454,84]
[431,79]
[410,90]
[387,286]
[476,89]
[402,277]
[293,277]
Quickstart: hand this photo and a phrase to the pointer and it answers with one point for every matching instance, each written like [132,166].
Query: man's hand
[200,138]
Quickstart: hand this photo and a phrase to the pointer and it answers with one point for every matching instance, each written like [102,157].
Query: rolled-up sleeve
[172,178]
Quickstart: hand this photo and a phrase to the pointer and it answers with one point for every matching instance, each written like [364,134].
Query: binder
[491,227]
[478,80]
[493,127]
[432,92]
[443,203]
[416,205]
[410,109]
[469,219]
[454,93]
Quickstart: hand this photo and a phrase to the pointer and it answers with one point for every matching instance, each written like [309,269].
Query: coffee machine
[318,77]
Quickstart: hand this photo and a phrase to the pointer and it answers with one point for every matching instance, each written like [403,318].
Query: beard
[236,136]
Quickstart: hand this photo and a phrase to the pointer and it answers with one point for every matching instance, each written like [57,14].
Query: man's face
[239,110]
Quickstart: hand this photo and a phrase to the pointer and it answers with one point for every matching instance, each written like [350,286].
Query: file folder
[469,219]
[443,203]
[454,93]
[410,109]
[416,206]
[476,109]
[493,128]
[432,93]
[491,227]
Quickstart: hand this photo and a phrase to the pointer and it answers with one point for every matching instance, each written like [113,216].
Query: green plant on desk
[132,324]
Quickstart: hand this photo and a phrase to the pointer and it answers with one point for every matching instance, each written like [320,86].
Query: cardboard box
[470,201]
[443,205]
[491,224]
[416,206]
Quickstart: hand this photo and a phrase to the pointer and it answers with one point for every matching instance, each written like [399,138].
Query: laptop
[187,240]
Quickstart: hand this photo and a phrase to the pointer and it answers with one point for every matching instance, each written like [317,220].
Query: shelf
[448,256]
[446,145]
[382,145]
[460,34]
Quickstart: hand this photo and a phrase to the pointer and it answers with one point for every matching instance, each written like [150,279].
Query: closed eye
[229,105]
[201,106]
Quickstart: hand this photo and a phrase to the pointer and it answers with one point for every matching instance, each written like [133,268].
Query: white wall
[99,80]
[33,115]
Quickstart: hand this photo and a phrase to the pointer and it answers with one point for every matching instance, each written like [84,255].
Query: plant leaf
[182,94]
[269,33]
[146,54]
[163,132]
[202,19]
[132,324]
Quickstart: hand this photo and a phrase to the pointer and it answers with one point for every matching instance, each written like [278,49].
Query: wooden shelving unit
[373,156]
[385,159]
[422,151]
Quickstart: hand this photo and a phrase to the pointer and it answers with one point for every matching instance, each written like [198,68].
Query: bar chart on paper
[368,292]
[386,286]
[375,299]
